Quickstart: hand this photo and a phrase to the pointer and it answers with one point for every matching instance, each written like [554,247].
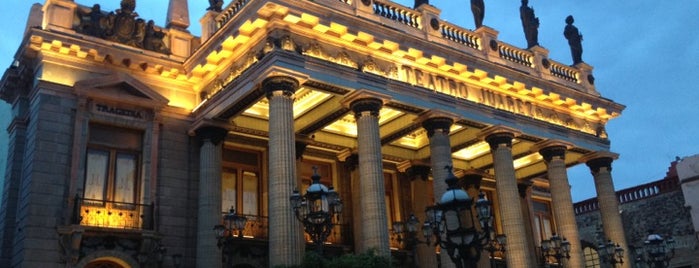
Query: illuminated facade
[128,140]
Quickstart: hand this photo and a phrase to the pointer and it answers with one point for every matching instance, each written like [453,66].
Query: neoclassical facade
[129,141]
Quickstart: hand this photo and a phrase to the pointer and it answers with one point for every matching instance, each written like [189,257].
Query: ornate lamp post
[407,232]
[611,253]
[452,222]
[557,248]
[316,210]
[658,251]
[225,234]
[496,245]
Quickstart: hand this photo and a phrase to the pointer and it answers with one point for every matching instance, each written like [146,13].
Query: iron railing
[111,214]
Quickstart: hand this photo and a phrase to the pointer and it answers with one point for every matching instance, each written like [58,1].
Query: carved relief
[343,58]
[371,67]
[122,26]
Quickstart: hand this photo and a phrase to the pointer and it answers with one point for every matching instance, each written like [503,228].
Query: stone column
[525,195]
[561,201]
[425,255]
[600,164]
[283,226]
[209,210]
[437,124]
[366,106]
[500,140]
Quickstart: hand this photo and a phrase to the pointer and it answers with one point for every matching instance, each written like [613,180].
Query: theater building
[129,141]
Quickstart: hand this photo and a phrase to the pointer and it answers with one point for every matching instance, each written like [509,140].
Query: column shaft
[508,195]
[284,228]
[373,204]
[209,209]
[609,204]
[425,254]
[562,202]
[440,158]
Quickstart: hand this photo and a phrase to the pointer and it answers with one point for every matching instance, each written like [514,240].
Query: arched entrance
[243,266]
[103,264]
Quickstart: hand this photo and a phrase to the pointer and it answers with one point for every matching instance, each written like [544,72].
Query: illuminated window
[392,198]
[591,258]
[543,229]
[112,164]
[240,181]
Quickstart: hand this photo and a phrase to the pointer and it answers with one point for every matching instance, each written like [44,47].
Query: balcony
[110,214]
[257,228]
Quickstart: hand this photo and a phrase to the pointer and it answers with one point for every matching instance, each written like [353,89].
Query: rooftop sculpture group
[530,24]
[122,26]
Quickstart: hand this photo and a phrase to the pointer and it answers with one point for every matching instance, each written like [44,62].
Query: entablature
[469,76]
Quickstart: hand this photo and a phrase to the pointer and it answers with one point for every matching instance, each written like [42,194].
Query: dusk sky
[645,55]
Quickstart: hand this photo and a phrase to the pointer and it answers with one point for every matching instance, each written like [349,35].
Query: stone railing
[398,13]
[632,194]
[483,43]
[460,35]
[563,71]
[513,54]
[229,12]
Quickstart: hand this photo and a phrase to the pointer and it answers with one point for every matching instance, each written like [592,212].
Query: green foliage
[364,260]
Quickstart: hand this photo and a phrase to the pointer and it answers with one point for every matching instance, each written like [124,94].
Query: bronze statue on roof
[215,5]
[530,23]
[420,2]
[574,40]
[478,9]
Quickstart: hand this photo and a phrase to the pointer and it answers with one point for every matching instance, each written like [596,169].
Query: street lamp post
[556,248]
[452,222]
[496,245]
[316,210]
[407,232]
[611,253]
[226,233]
[658,251]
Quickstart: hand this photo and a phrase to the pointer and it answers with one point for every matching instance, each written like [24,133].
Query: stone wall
[664,214]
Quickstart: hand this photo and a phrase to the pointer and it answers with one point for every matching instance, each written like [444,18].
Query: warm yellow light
[347,125]
[181,101]
[110,217]
[418,139]
[304,101]
[307,100]
[473,151]
[527,160]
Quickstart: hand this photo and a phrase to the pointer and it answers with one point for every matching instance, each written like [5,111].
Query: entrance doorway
[103,264]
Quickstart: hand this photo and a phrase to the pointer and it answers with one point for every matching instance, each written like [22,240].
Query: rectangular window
[112,178]
[111,172]
[240,182]
[542,219]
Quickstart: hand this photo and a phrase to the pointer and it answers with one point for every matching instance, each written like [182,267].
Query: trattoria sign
[107,109]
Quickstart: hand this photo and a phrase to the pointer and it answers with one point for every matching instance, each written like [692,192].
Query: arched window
[591,257]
